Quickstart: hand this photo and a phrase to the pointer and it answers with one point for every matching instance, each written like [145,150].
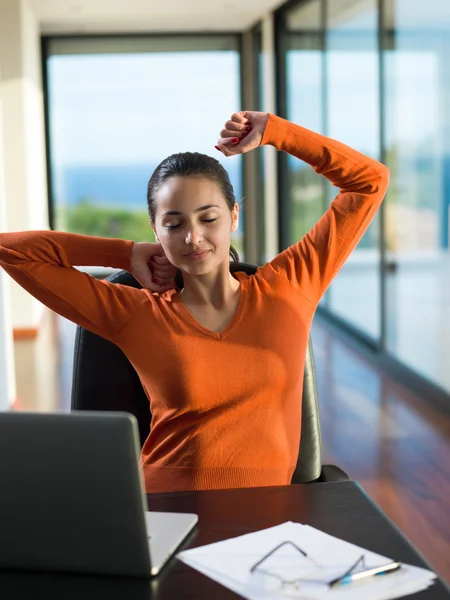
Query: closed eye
[179,224]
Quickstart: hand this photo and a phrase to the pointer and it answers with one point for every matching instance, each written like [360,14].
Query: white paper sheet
[229,563]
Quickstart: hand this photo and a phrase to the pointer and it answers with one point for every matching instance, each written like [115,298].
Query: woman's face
[193,223]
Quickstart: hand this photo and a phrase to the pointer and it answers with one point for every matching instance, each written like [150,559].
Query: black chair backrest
[104,379]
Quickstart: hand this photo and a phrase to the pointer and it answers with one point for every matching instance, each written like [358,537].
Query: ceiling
[115,16]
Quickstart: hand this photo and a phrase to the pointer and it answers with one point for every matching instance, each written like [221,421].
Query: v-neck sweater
[226,407]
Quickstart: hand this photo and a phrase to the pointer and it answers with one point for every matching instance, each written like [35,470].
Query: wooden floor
[385,437]
[390,441]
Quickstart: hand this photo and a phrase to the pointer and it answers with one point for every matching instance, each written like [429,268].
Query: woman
[221,359]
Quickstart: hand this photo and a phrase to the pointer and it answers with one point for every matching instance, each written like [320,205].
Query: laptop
[72,497]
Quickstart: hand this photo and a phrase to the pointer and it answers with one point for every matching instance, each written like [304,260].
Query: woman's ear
[235,217]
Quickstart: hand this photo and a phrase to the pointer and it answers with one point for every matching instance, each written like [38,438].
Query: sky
[139,108]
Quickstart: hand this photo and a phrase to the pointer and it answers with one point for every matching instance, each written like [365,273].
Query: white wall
[7,375]
[23,137]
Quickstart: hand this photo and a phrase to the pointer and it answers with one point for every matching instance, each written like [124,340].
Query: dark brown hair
[191,164]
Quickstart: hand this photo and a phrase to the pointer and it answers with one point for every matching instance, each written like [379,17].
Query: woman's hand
[150,266]
[243,132]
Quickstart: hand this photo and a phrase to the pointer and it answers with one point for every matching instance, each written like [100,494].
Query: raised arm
[312,263]
[42,263]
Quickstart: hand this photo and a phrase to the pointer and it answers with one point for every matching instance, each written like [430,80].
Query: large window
[260,105]
[304,105]
[258,70]
[416,42]
[375,75]
[352,101]
[117,107]
[331,74]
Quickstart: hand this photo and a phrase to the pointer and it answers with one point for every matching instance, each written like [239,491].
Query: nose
[193,235]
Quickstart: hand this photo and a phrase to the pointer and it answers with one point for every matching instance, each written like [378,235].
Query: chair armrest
[332,473]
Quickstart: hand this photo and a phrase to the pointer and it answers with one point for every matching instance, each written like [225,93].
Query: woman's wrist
[271,135]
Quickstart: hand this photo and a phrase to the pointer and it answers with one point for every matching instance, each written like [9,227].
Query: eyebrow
[177,212]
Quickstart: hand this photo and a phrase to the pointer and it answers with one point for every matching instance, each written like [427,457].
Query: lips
[197,255]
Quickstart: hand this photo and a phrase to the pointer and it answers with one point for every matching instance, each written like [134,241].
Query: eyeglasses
[270,580]
[312,572]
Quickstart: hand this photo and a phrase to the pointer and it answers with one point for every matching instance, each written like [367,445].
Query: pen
[381,570]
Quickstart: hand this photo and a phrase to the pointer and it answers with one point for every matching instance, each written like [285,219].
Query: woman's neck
[215,289]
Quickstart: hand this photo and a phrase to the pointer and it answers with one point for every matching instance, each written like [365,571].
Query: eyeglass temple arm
[265,557]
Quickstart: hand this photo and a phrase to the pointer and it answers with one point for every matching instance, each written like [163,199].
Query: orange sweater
[226,406]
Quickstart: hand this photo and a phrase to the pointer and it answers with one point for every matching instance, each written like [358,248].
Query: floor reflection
[388,439]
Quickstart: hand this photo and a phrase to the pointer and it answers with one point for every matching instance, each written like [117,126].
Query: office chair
[104,379]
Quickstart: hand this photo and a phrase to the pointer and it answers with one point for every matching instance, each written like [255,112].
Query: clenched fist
[151,267]
[243,132]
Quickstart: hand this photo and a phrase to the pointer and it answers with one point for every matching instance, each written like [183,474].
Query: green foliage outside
[308,193]
[306,208]
[90,218]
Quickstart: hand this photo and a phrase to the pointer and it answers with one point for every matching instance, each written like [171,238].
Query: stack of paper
[229,563]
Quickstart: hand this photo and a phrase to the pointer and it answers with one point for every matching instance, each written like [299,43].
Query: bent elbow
[385,175]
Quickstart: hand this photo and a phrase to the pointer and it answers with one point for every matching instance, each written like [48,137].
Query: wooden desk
[341,509]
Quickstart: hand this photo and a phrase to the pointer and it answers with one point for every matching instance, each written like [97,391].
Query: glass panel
[116,114]
[352,84]
[304,60]
[258,68]
[417,131]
